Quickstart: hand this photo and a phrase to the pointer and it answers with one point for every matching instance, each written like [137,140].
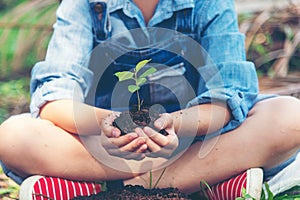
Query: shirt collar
[169,5]
[165,9]
[180,4]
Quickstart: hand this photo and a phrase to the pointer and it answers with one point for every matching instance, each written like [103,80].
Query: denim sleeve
[230,78]
[64,73]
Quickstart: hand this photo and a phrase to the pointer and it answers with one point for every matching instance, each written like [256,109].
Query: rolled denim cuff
[11,174]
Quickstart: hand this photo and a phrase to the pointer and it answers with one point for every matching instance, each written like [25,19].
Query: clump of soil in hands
[130,192]
[129,120]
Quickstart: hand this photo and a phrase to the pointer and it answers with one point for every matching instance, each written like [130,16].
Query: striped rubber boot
[251,180]
[45,188]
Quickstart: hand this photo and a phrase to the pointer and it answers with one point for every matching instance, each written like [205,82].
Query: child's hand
[158,144]
[129,146]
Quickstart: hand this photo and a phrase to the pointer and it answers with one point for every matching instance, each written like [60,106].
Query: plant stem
[150,181]
[137,92]
[160,176]
[138,97]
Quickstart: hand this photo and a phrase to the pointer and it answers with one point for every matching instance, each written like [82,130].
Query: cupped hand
[158,144]
[129,146]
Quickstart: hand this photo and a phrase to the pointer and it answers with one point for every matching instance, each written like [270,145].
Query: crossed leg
[269,136]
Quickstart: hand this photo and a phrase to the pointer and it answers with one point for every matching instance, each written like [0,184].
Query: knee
[12,134]
[285,111]
[282,120]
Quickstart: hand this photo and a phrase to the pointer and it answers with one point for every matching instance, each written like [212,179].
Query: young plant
[139,79]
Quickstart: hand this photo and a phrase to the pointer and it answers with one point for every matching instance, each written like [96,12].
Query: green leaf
[248,196]
[269,192]
[122,76]
[205,189]
[141,64]
[244,195]
[244,191]
[140,81]
[133,88]
[148,72]
[4,191]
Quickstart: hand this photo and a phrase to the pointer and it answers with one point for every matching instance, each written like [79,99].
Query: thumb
[163,122]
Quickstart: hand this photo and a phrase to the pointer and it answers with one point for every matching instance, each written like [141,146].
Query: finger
[152,146]
[124,140]
[134,150]
[163,153]
[134,145]
[151,143]
[142,149]
[115,132]
[126,155]
[140,132]
[107,128]
[111,131]
[166,151]
[156,137]
[157,154]
[164,121]
[119,141]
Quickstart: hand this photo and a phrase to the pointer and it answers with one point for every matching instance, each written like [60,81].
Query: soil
[130,192]
[129,120]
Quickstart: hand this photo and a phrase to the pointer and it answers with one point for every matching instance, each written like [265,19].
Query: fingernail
[146,130]
[141,141]
[114,133]
[159,123]
[139,131]
[132,136]
[144,147]
[149,131]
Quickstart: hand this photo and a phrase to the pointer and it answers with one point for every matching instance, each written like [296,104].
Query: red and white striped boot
[45,188]
[251,180]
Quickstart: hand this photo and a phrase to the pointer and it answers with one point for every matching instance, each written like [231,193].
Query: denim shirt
[64,73]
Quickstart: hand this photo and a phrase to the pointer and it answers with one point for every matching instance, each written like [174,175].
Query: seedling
[139,117]
[139,80]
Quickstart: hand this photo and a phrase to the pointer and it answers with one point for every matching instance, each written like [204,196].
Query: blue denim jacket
[64,73]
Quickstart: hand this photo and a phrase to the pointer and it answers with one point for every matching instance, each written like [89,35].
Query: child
[59,139]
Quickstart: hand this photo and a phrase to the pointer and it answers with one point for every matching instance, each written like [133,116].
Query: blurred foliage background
[6,4]
[272,43]
[25,30]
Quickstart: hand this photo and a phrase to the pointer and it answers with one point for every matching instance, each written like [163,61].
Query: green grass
[292,194]
[8,189]
[14,97]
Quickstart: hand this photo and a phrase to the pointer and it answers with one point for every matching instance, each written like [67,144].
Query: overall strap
[100,18]
[185,21]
